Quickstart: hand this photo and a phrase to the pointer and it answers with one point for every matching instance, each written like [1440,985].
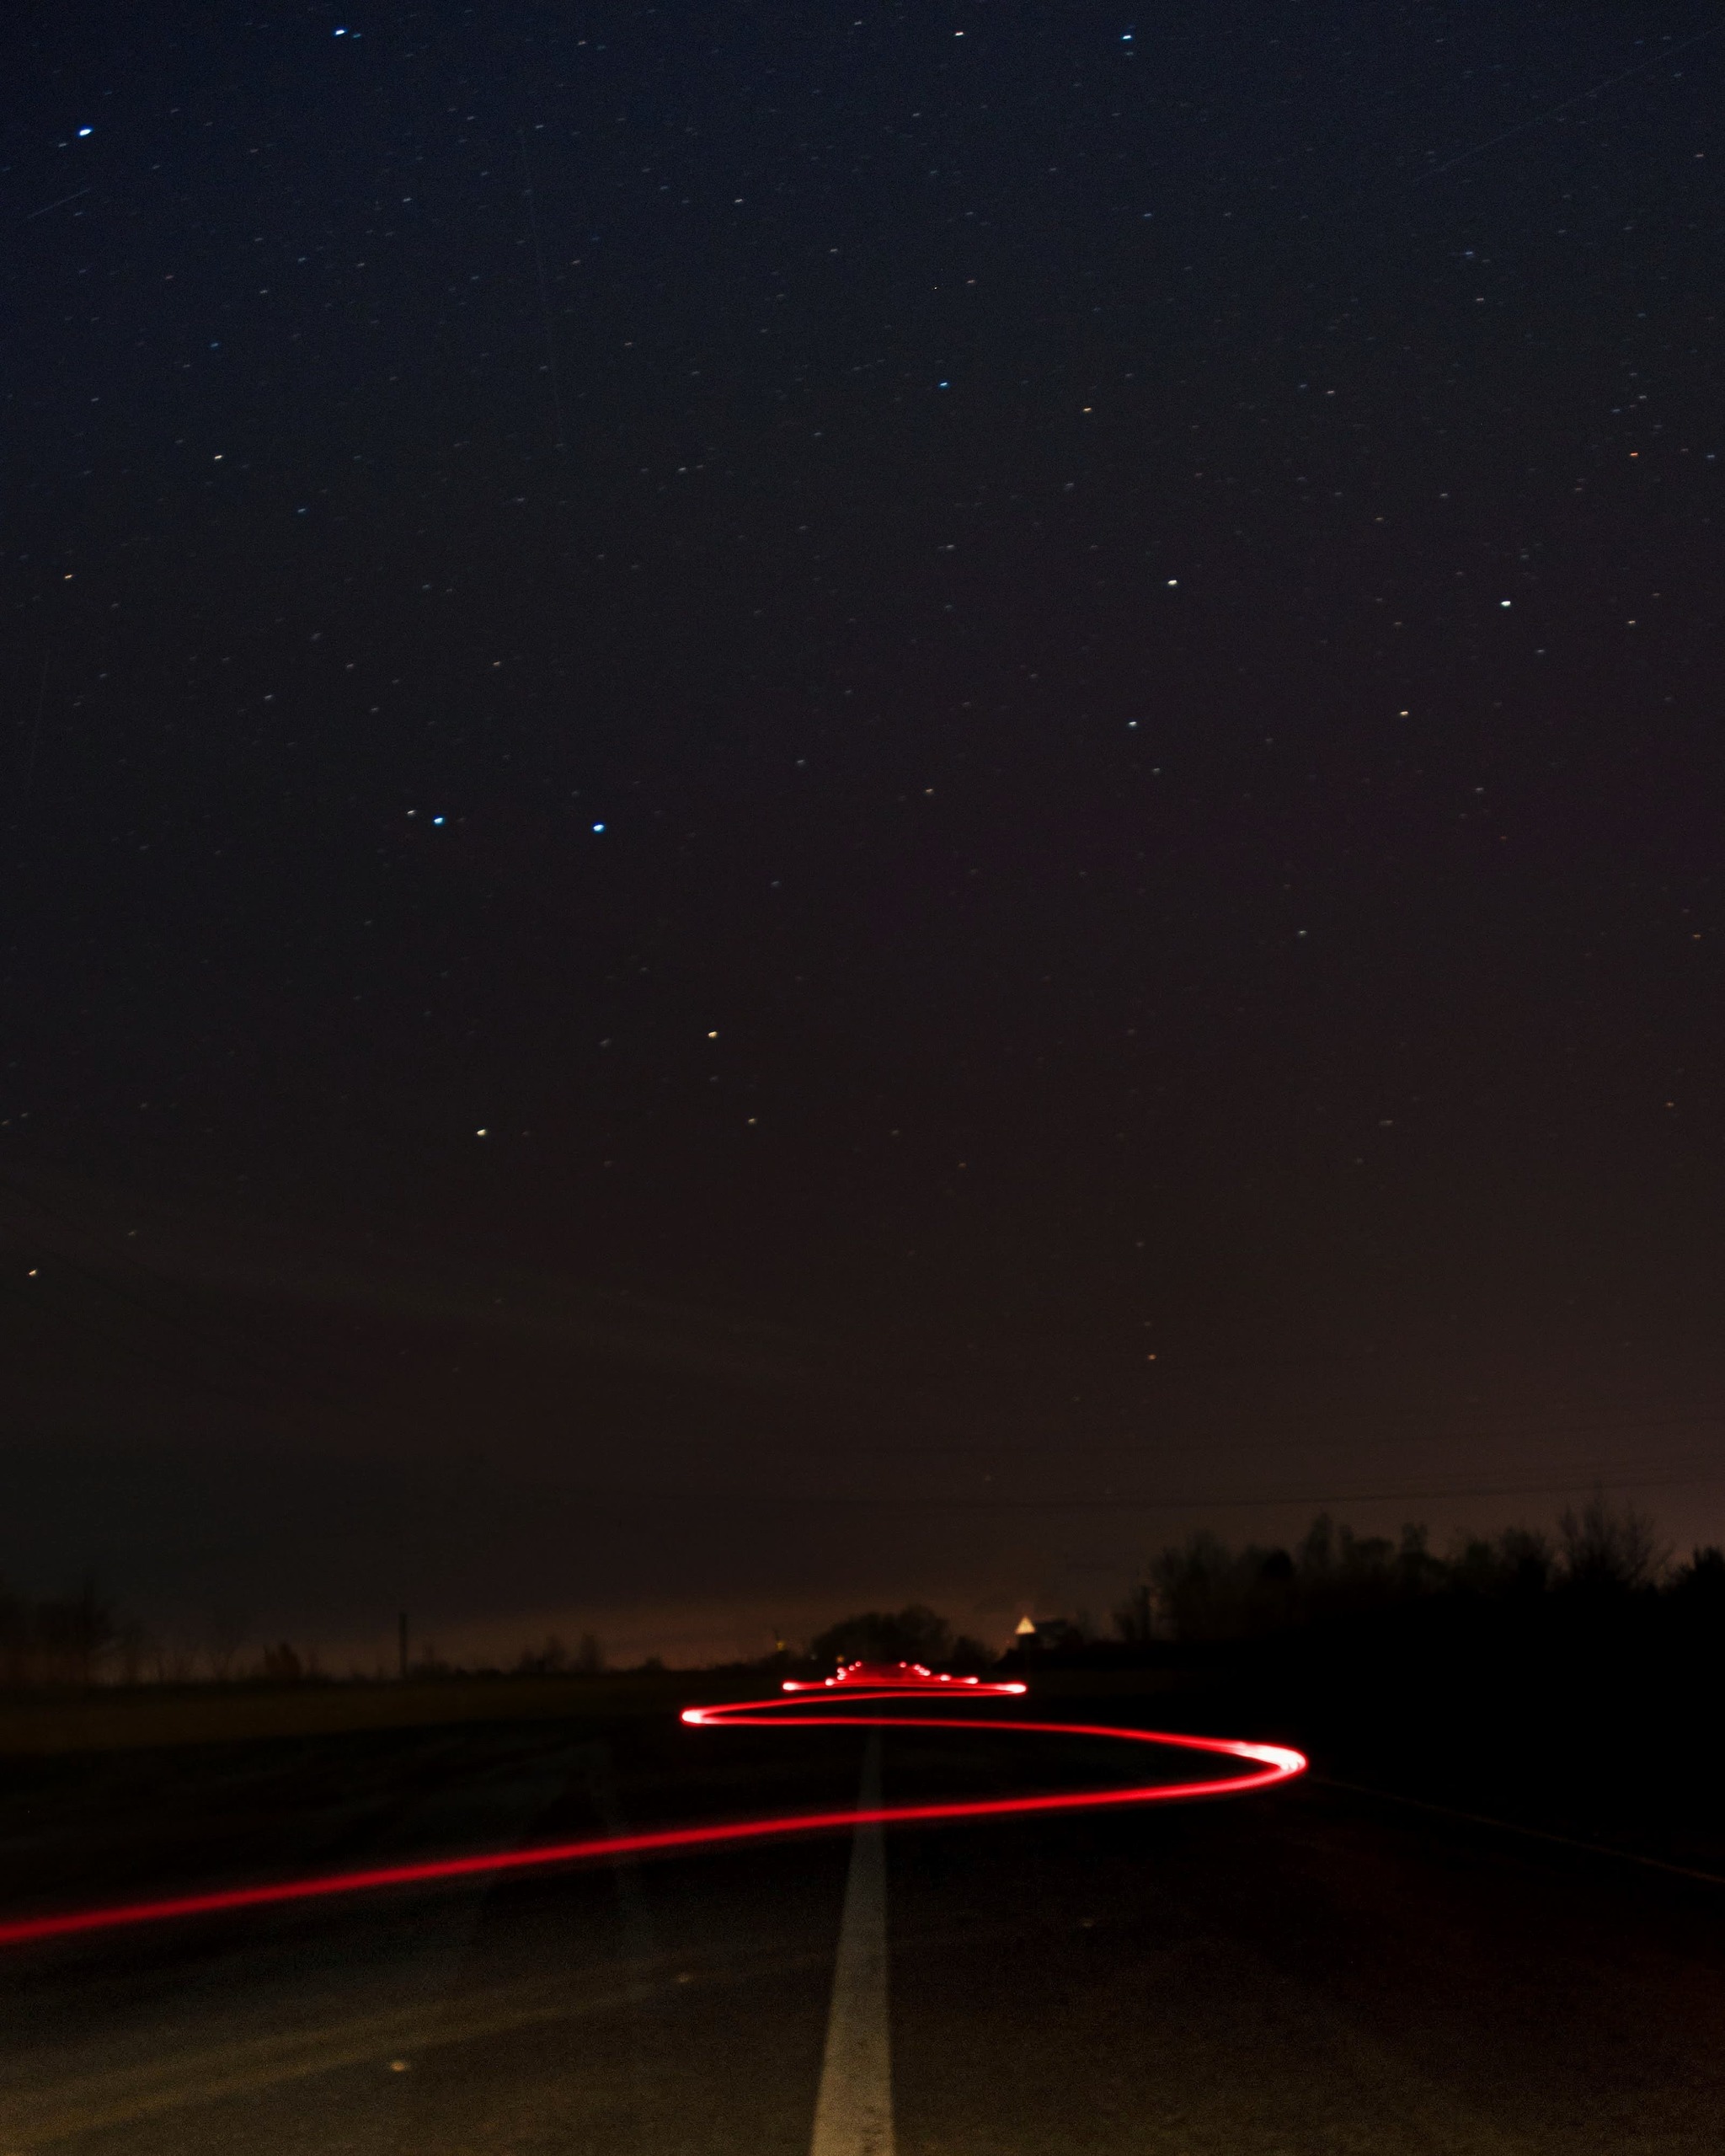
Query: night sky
[802,809]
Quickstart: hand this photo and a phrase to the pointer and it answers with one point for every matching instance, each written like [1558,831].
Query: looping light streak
[860,1683]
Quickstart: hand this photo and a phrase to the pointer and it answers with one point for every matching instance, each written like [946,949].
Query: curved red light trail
[1270,1764]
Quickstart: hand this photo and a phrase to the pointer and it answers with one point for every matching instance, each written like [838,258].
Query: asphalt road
[1302,1972]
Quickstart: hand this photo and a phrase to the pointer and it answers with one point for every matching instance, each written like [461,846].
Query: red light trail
[859,1684]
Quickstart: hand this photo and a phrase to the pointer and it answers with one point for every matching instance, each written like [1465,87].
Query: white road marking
[853,2113]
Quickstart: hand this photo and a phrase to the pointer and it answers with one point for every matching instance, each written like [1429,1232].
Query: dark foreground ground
[1304,1972]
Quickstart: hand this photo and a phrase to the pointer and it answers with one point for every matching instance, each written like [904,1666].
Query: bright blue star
[599,826]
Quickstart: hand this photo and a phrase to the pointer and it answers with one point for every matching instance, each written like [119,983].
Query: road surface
[1284,1974]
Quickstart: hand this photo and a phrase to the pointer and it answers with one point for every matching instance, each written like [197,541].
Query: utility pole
[401,1641]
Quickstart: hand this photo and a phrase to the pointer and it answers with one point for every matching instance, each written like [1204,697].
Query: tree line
[1604,1568]
[84,1639]
[1601,1554]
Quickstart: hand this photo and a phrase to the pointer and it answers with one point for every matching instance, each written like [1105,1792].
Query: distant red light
[897,1677]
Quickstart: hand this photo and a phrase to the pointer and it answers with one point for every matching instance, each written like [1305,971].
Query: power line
[916,1502]
[1581,97]
[31,215]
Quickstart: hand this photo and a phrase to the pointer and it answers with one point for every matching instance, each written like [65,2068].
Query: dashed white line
[853,2113]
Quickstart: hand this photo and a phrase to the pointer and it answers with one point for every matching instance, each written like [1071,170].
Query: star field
[1031,697]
